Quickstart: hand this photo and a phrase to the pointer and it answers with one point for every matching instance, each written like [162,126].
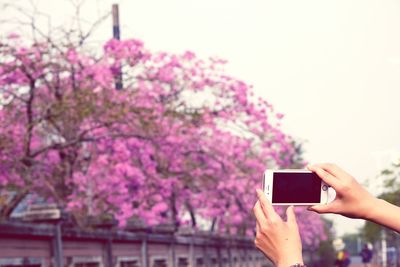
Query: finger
[266,206]
[333,169]
[328,208]
[325,176]
[258,227]
[259,213]
[291,215]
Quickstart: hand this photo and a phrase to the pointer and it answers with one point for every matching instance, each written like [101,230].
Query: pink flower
[13,35]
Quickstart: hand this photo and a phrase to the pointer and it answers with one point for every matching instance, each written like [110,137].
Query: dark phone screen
[290,187]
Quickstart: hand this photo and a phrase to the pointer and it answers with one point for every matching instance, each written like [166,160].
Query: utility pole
[384,248]
[117,35]
[115,16]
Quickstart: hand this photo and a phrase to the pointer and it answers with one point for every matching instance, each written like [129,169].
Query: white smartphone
[294,187]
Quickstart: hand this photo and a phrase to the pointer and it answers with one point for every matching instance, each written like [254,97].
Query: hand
[278,240]
[352,200]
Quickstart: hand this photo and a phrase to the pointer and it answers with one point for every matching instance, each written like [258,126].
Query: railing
[44,244]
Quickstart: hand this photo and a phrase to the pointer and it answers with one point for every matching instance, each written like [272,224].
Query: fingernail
[259,192]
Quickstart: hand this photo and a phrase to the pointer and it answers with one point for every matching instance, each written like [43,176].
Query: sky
[332,67]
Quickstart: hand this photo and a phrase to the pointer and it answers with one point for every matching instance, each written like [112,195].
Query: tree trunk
[192,214]
[8,209]
[213,224]
[174,212]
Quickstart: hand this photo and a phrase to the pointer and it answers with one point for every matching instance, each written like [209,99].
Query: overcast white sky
[331,66]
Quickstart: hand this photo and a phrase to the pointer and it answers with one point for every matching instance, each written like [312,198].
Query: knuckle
[346,186]
[274,221]
[325,175]
[258,236]
[255,209]
[330,165]
[263,230]
[256,242]
[340,188]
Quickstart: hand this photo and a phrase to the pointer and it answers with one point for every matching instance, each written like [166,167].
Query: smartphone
[294,187]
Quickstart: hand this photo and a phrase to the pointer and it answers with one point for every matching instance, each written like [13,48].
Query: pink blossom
[144,151]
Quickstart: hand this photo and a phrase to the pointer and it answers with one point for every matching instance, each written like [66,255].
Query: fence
[34,245]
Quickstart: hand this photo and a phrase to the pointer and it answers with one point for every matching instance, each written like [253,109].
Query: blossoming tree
[181,141]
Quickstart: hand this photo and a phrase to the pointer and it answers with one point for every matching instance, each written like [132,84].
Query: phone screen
[296,187]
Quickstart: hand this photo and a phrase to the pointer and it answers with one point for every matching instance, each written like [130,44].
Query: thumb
[327,208]
[290,215]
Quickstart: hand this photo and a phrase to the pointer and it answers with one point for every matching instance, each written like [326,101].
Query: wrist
[372,212]
[289,262]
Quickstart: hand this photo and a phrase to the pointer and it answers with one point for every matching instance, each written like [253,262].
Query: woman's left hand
[279,240]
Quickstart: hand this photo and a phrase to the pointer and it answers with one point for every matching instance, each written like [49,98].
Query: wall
[31,245]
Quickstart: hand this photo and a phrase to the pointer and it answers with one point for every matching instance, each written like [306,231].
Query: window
[183,262]
[199,262]
[159,263]
[21,262]
[86,261]
[250,258]
[129,263]
[87,264]
[214,262]
[235,262]
[225,262]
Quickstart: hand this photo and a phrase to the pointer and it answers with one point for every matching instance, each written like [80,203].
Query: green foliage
[326,250]
[351,241]
[371,231]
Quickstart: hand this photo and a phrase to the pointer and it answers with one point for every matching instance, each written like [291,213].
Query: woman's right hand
[352,200]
